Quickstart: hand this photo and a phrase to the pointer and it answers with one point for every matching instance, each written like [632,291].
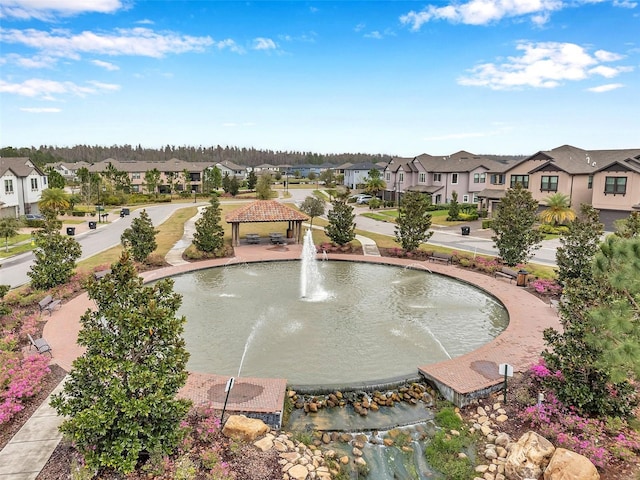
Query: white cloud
[229,44]
[624,4]
[106,65]
[262,43]
[41,110]
[52,90]
[375,34]
[605,88]
[136,41]
[37,61]
[49,9]
[482,12]
[543,65]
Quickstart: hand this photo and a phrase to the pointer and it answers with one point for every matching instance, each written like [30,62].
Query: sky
[401,78]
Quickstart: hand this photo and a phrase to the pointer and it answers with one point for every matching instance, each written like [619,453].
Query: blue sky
[392,77]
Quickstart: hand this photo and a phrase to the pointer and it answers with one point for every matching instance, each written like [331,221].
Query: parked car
[361,199]
[34,216]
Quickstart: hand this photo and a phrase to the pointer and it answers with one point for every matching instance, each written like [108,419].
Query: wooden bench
[252,238]
[48,304]
[441,257]
[505,272]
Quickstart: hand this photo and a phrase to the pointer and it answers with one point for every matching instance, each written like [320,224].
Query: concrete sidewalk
[29,449]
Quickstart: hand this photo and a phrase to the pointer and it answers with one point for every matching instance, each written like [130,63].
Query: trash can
[289,233]
[124,211]
[465,230]
[93,225]
[71,231]
[521,281]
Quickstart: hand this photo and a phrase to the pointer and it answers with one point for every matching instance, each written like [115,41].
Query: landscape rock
[568,465]
[528,457]
[242,428]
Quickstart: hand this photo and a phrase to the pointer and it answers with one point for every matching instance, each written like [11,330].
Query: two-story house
[21,185]
[356,175]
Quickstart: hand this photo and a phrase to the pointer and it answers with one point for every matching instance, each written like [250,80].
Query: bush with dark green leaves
[55,257]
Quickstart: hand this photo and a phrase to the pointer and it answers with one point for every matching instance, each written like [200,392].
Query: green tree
[209,234]
[8,228]
[558,211]
[263,188]
[4,308]
[312,206]
[186,181]
[234,185]
[55,256]
[84,177]
[374,183]
[578,246]
[594,357]
[311,176]
[217,177]
[454,207]
[55,179]
[628,227]
[414,221]
[54,201]
[152,181]
[515,238]
[328,177]
[252,180]
[120,400]
[140,238]
[341,228]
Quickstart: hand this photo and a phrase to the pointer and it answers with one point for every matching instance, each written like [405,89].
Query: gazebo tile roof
[265,211]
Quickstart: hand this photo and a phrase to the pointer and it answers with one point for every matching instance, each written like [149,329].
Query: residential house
[356,175]
[69,170]
[21,186]
[439,176]
[609,180]
[229,168]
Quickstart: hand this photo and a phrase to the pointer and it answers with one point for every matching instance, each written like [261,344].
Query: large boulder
[242,428]
[528,457]
[568,465]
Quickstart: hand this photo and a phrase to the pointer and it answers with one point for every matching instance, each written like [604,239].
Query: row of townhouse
[609,180]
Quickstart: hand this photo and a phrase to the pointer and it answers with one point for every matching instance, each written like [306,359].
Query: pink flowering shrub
[488,265]
[20,378]
[586,436]
[545,286]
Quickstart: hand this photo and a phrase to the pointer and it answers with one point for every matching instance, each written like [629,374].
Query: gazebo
[266,211]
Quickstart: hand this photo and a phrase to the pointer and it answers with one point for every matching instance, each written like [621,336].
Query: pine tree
[341,228]
[209,234]
[414,221]
[120,400]
[515,238]
[140,238]
[454,207]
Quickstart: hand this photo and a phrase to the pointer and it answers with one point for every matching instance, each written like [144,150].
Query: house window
[34,184]
[437,199]
[454,178]
[465,198]
[549,183]
[135,176]
[388,176]
[521,179]
[615,185]
[422,177]
[479,177]
[437,177]
[475,198]
[135,188]
[401,177]
[8,186]
[590,182]
[497,179]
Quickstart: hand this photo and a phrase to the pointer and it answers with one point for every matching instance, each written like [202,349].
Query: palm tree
[558,211]
[8,228]
[54,201]
[374,182]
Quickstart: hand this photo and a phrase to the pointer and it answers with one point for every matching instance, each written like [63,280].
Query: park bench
[49,304]
[506,272]
[41,345]
[252,238]
[441,257]
[101,274]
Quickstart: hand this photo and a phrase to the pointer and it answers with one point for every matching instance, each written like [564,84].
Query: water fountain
[310,277]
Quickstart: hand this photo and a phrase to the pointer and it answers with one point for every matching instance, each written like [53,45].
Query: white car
[361,199]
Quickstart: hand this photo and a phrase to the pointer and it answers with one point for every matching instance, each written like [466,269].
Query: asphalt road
[14,269]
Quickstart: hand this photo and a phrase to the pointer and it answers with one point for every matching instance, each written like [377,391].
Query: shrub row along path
[519,345]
